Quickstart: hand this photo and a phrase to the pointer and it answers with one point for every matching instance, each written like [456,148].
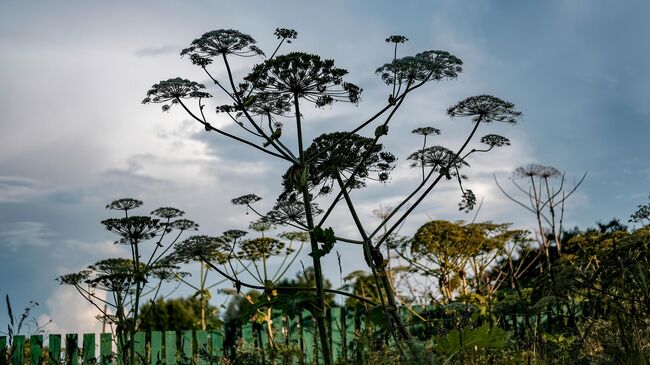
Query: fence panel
[55,349]
[161,348]
[156,347]
[187,351]
[71,349]
[36,350]
[3,350]
[18,351]
[217,344]
[336,330]
[170,347]
[88,350]
[202,347]
[105,348]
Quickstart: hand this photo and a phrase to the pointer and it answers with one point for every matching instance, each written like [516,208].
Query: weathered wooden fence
[153,348]
[294,340]
[296,336]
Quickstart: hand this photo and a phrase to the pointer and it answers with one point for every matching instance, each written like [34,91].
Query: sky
[74,135]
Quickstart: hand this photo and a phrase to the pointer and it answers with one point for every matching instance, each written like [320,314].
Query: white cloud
[70,313]
[25,233]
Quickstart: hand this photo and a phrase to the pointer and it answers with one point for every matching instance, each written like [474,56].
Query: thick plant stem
[319,311]
[375,261]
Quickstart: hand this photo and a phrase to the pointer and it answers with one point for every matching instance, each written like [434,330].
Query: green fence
[191,347]
[294,340]
[291,340]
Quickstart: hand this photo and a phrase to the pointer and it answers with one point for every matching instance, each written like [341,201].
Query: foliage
[177,314]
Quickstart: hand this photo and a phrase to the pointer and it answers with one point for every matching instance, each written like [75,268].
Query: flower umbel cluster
[305,76]
[221,42]
[173,90]
[486,108]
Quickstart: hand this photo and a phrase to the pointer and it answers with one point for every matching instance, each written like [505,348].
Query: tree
[178,314]
[265,105]
[305,300]
[461,256]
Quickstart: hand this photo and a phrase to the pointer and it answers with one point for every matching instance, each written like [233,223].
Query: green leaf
[249,101]
[326,237]
[304,176]
[381,130]
[479,338]
[376,315]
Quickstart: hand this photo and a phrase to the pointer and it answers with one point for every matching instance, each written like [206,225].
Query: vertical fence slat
[217,345]
[71,349]
[36,350]
[140,346]
[406,317]
[54,349]
[3,350]
[156,348]
[307,336]
[186,348]
[359,328]
[344,333]
[264,340]
[170,347]
[337,338]
[119,351]
[347,320]
[105,348]
[278,325]
[293,334]
[18,351]
[88,349]
[247,333]
[202,347]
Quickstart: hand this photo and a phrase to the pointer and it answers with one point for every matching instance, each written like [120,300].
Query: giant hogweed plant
[264,107]
[118,287]
[231,255]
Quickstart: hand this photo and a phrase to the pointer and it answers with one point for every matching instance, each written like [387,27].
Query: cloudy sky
[74,136]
